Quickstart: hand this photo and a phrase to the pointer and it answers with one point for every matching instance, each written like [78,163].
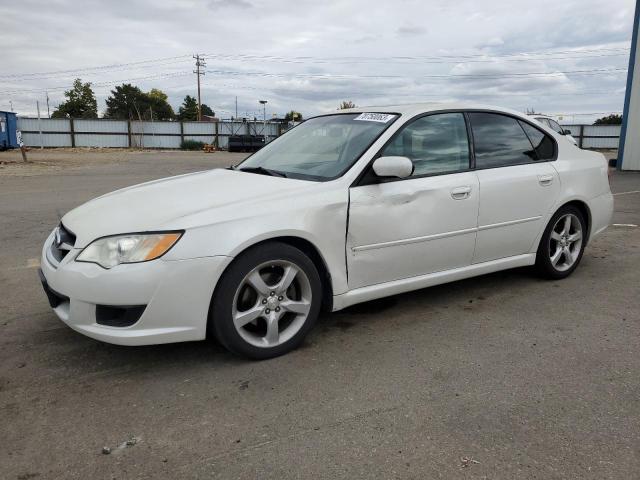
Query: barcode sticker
[374,117]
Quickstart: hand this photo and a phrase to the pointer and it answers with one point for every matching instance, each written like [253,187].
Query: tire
[561,247]
[280,305]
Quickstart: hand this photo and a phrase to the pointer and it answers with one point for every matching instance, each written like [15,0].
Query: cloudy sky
[564,57]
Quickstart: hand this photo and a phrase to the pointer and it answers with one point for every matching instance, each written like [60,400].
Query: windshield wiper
[262,171]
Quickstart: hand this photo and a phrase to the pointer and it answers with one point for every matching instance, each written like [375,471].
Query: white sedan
[550,122]
[342,209]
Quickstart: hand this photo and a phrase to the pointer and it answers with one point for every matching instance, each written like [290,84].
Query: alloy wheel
[272,303]
[565,242]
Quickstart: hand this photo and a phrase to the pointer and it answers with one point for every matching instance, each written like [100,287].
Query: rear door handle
[460,193]
[545,180]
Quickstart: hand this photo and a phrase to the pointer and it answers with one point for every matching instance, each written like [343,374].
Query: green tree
[613,119]
[206,110]
[346,104]
[159,105]
[127,101]
[293,115]
[80,103]
[189,109]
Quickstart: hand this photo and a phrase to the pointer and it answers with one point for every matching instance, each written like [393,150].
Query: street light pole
[264,119]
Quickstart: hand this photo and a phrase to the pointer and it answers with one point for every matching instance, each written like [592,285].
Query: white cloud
[290,39]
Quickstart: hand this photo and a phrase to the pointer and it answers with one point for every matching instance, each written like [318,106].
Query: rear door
[518,184]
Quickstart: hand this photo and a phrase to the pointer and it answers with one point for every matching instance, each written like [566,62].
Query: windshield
[322,148]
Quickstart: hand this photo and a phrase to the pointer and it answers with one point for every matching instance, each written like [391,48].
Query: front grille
[63,242]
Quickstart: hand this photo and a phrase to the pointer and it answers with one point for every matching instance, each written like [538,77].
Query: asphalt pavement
[504,376]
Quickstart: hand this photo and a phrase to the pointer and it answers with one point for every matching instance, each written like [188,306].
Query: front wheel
[266,301]
[562,243]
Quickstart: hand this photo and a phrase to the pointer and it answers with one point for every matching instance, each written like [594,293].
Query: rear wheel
[267,301]
[562,244]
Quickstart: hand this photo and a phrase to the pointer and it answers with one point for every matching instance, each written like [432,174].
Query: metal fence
[595,136]
[53,132]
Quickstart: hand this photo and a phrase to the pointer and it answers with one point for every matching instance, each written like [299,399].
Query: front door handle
[545,180]
[460,193]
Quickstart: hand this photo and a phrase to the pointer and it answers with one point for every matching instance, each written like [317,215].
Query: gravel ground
[499,377]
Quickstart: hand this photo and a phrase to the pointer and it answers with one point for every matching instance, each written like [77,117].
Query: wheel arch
[584,209]
[309,249]
[586,214]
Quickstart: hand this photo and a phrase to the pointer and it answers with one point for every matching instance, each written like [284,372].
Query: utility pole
[48,112]
[199,63]
[11,105]
[236,106]
[39,125]
[264,119]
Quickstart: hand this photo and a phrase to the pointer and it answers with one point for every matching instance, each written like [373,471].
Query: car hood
[160,204]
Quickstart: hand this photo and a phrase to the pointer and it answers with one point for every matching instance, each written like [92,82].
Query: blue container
[8,124]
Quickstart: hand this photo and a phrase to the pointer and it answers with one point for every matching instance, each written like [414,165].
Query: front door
[422,224]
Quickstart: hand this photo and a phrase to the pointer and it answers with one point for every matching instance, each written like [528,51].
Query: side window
[555,126]
[543,145]
[435,143]
[543,121]
[500,141]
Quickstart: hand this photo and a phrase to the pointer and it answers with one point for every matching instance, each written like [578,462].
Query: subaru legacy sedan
[344,208]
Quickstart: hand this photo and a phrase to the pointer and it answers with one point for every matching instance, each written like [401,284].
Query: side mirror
[566,132]
[399,167]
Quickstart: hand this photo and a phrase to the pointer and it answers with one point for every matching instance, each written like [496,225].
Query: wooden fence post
[181,132]
[217,144]
[72,132]
[580,141]
[129,131]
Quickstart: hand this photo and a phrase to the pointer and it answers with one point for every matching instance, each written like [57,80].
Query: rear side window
[555,126]
[435,144]
[543,121]
[543,145]
[500,141]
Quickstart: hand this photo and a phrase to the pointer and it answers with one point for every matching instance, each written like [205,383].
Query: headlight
[131,248]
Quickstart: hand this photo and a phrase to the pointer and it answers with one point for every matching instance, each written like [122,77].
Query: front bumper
[177,294]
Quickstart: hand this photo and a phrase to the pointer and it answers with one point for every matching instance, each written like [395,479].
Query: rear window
[500,141]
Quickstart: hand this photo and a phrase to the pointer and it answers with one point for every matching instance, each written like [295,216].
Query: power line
[475,75]
[474,58]
[479,58]
[98,84]
[137,64]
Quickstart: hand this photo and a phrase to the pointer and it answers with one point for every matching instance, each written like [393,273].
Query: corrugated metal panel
[201,138]
[602,130]
[232,128]
[159,141]
[114,133]
[192,128]
[223,143]
[595,142]
[47,124]
[155,127]
[48,139]
[101,140]
[100,125]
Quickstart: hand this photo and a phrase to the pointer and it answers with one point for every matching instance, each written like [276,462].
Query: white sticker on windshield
[374,117]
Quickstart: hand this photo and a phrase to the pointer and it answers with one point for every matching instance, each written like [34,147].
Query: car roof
[411,109]
[541,115]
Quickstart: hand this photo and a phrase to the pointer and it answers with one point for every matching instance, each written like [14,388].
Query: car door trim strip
[438,236]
